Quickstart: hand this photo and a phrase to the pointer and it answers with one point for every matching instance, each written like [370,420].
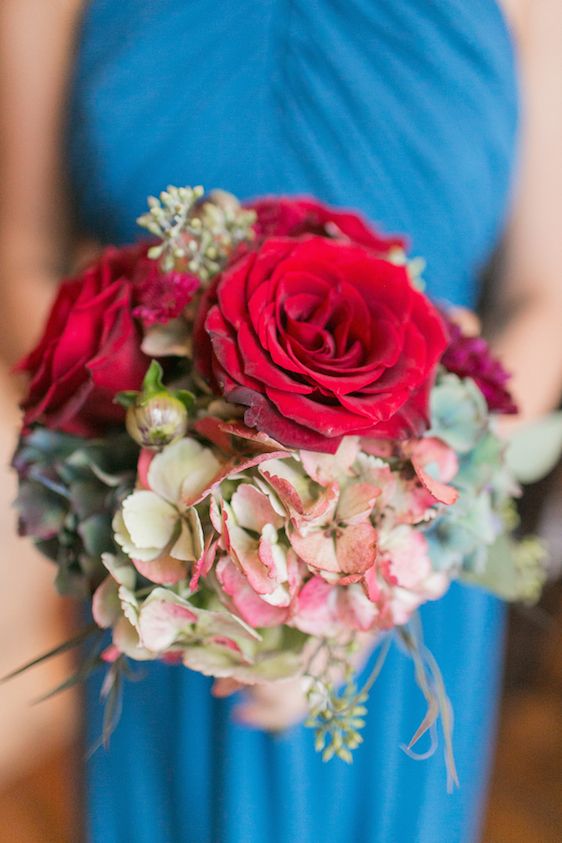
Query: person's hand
[467,320]
[271,706]
[275,706]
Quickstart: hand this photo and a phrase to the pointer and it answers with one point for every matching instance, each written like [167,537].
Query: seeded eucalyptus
[337,709]
[198,233]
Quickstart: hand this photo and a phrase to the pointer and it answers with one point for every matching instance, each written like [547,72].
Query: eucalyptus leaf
[535,449]
[514,570]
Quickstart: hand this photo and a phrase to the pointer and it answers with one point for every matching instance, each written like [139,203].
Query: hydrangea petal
[246,601]
[150,521]
[164,570]
[106,606]
[162,618]
[356,502]
[253,509]
[182,470]
[356,548]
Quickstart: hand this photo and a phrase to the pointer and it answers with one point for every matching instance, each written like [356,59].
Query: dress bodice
[405,109]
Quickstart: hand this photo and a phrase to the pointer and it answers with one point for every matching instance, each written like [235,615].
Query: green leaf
[514,570]
[535,449]
[187,398]
[152,383]
[96,533]
[85,669]
[42,513]
[88,497]
[71,583]
[113,694]
[127,398]
[70,644]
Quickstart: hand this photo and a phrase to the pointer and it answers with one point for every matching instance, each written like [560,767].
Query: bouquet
[251,439]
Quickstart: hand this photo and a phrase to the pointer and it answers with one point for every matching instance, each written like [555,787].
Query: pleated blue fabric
[406,110]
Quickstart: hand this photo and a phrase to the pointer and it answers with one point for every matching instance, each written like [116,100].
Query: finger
[467,320]
[271,714]
[225,687]
[268,719]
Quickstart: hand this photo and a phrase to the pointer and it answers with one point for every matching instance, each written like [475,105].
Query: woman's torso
[405,109]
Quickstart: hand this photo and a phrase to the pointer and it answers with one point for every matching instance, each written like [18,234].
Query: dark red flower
[295,216]
[321,339]
[471,357]
[90,349]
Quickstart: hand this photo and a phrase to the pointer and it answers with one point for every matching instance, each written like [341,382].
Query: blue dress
[407,110]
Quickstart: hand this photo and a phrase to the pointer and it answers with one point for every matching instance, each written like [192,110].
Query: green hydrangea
[459,415]
[69,490]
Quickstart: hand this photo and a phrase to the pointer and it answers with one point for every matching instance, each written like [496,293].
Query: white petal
[106,606]
[130,605]
[253,508]
[126,639]
[183,548]
[122,571]
[182,469]
[194,522]
[279,597]
[163,618]
[125,542]
[149,520]
[204,469]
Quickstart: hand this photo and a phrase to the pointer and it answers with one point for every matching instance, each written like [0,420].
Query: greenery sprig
[198,234]
[337,709]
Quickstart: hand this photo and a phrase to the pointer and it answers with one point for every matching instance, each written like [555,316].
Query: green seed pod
[157,421]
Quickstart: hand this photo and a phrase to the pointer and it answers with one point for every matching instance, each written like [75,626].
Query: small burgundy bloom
[161,296]
[321,339]
[470,357]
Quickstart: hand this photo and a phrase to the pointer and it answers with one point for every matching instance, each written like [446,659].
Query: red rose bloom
[323,339]
[293,217]
[90,350]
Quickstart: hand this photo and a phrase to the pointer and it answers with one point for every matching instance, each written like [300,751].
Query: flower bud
[157,421]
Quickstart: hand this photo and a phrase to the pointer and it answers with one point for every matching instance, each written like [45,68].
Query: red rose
[322,339]
[90,349]
[293,217]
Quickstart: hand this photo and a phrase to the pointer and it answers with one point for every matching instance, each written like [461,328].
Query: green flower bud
[156,421]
